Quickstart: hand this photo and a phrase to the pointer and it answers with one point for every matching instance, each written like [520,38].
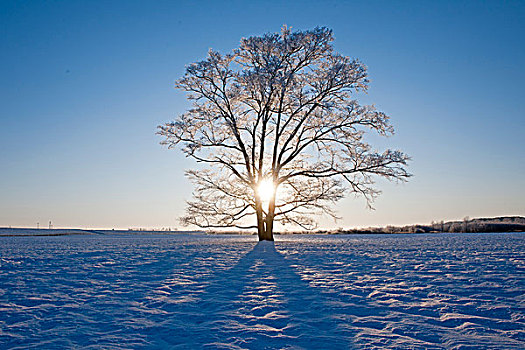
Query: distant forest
[498,224]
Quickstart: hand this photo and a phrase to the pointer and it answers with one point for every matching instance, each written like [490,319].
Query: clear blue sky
[85,83]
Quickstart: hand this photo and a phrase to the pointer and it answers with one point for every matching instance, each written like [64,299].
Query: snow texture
[229,292]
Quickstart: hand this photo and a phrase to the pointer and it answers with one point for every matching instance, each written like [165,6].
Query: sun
[266,190]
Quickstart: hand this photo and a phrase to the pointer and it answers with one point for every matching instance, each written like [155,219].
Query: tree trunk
[268,234]
[260,221]
[265,224]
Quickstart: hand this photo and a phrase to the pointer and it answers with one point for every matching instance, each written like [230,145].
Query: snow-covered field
[228,292]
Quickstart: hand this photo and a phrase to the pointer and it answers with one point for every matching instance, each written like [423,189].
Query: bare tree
[280,131]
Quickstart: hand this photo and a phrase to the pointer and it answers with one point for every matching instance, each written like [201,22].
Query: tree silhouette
[283,137]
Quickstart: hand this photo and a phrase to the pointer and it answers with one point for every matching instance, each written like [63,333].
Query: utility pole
[50,225]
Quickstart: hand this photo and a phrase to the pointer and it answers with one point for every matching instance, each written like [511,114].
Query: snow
[448,291]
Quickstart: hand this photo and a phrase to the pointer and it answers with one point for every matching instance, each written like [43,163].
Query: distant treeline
[480,225]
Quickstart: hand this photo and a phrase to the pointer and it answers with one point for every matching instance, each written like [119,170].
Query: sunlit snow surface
[228,292]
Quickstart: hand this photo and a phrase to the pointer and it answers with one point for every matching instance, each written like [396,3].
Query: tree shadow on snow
[260,303]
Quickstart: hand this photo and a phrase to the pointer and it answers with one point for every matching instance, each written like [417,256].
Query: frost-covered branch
[281,107]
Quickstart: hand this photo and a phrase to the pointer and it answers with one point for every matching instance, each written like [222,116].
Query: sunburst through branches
[266,190]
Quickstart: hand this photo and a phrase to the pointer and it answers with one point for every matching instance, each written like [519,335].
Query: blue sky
[85,83]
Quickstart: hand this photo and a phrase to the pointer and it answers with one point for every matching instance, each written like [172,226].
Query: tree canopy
[277,123]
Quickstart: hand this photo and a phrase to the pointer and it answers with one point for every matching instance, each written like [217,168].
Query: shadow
[382,292]
[260,303]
